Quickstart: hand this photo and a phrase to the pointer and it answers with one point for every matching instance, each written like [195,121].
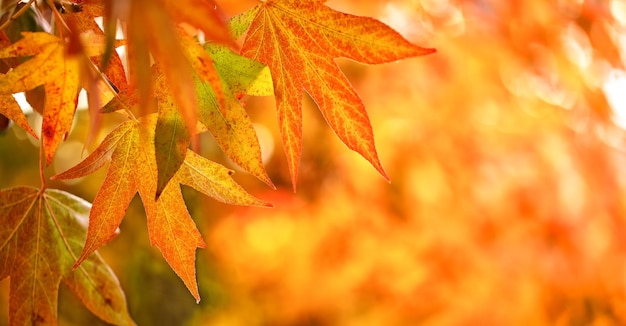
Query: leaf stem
[58,17]
[16,15]
[42,163]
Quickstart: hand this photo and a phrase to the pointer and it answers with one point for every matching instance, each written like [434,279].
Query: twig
[16,15]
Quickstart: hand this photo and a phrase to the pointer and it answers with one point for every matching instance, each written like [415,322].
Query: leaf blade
[175,234]
[298,41]
[10,109]
[118,189]
[215,181]
[171,141]
[93,282]
[36,254]
[60,105]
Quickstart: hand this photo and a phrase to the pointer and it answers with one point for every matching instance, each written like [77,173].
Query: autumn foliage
[501,200]
[185,73]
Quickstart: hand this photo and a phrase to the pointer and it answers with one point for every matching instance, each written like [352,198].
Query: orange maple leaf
[84,21]
[298,41]
[130,149]
[57,71]
[57,65]
[40,236]
[12,110]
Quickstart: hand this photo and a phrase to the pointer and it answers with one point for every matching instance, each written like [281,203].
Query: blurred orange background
[506,151]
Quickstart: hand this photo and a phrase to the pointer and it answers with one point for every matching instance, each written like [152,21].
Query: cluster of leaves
[178,87]
[506,179]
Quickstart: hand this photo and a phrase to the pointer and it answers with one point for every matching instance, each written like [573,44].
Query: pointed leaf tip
[45,231]
[299,41]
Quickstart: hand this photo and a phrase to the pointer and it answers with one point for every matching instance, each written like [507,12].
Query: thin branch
[58,18]
[42,162]
[16,15]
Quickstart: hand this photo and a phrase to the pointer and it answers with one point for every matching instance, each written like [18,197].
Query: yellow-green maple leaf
[232,128]
[40,236]
[130,149]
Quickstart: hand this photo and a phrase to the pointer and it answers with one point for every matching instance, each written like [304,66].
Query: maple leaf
[232,128]
[57,71]
[202,14]
[41,233]
[84,21]
[130,149]
[170,47]
[12,110]
[298,41]
[9,108]
[171,138]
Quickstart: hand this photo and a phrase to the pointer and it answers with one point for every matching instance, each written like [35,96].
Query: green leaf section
[171,139]
[240,74]
[41,234]
[232,128]
[239,24]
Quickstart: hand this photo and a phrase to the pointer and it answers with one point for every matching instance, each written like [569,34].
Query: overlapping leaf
[84,21]
[8,105]
[172,135]
[229,124]
[169,48]
[56,69]
[41,234]
[298,41]
[130,149]
[171,138]
[232,128]
[10,109]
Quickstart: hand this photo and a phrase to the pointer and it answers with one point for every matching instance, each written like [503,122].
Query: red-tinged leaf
[204,15]
[168,52]
[232,128]
[61,101]
[30,44]
[175,234]
[94,44]
[202,64]
[173,231]
[10,109]
[129,170]
[45,48]
[36,97]
[130,149]
[139,63]
[40,236]
[298,42]
[84,20]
